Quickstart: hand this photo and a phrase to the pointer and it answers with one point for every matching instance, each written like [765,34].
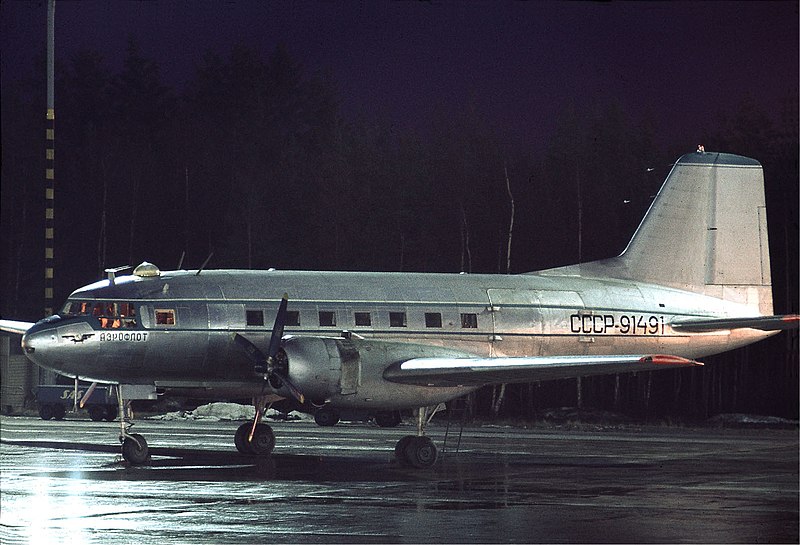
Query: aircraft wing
[763,323]
[442,371]
[13,326]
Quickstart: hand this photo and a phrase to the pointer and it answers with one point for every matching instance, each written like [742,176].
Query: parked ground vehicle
[54,400]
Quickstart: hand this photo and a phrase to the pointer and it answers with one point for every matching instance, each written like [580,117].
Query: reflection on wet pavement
[66,483]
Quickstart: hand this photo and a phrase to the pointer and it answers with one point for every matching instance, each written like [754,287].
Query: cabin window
[433,319]
[469,320]
[363,319]
[255,317]
[397,319]
[292,318]
[165,316]
[327,318]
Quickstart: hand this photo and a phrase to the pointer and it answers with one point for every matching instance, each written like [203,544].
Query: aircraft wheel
[58,412]
[45,412]
[134,450]
[387,419]
[110,413]
[263,440]
[326,417]
[240,439]
[400,450]
[96,412]
[421,452]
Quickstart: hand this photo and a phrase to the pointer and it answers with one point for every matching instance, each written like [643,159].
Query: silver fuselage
[462,314]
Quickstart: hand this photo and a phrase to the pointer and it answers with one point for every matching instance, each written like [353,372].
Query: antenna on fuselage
[112,273]
[180,261]
[203,266]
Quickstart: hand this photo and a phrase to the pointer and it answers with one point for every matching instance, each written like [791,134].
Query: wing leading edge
[479,371]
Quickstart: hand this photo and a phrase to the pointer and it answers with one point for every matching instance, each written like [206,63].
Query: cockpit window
[77,308]
[112,315]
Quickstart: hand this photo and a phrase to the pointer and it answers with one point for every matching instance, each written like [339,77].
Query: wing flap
[763,323]
[480,371]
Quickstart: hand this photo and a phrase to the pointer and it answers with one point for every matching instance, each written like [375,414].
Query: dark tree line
[254,162]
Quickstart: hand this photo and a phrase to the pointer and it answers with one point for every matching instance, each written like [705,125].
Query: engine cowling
[315,365]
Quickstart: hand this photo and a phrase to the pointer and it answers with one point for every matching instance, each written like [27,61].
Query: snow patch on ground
[217,412]
[737,420]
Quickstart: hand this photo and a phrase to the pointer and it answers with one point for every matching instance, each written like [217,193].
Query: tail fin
[706,232]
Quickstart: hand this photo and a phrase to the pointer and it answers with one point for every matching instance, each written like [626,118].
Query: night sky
[677,64]
[527,74]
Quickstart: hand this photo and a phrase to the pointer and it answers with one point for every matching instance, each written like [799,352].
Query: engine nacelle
[316,364]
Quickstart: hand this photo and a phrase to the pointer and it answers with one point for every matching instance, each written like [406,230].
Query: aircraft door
[517,322]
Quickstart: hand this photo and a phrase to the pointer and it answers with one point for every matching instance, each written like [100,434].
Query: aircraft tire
[134,450]
[45,412]
[263,440]
[388,419]
[326,417]
[111,413]
[421,452]
[400,450]
[240,439]
[96,412]
[59,411]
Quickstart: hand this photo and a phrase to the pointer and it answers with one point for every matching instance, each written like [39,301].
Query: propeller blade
[294,390]
[253,352]
[277,329]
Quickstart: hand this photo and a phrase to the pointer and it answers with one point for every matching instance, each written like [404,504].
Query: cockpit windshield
[112,314]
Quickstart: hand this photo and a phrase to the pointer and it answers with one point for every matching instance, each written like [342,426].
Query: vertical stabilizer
[706,232]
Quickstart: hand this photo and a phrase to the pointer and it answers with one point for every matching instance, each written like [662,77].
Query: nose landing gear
[134,446]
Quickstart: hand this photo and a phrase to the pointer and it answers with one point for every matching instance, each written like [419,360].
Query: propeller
[273,365]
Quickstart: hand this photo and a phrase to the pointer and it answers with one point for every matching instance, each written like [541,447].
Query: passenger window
[433,319]
[255,317]
[397,319]
[292,318]
[165,316]
[469,321]
[363,319]
[327,318]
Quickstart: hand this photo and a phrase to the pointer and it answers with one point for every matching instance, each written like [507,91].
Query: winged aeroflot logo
[78,338]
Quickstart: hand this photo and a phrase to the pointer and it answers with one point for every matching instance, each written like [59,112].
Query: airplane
[693,281]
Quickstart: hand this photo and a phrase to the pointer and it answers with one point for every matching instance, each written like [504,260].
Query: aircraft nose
[38,343]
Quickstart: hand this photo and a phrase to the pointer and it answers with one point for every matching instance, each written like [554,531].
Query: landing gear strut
[417,450]
[134,446]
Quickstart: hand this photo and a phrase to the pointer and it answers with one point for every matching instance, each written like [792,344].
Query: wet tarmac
[64,482]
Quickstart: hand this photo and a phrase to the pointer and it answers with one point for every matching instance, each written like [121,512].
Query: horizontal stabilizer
[480,371]
[13,326]
[763,323]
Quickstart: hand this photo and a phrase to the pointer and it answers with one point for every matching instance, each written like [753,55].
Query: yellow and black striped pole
[49,213]
[49,172]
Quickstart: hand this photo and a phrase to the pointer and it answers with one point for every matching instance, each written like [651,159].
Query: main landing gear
[255,437]
[417,451]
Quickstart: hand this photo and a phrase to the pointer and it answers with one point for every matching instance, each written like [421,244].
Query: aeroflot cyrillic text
[624,324]
[125,336]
